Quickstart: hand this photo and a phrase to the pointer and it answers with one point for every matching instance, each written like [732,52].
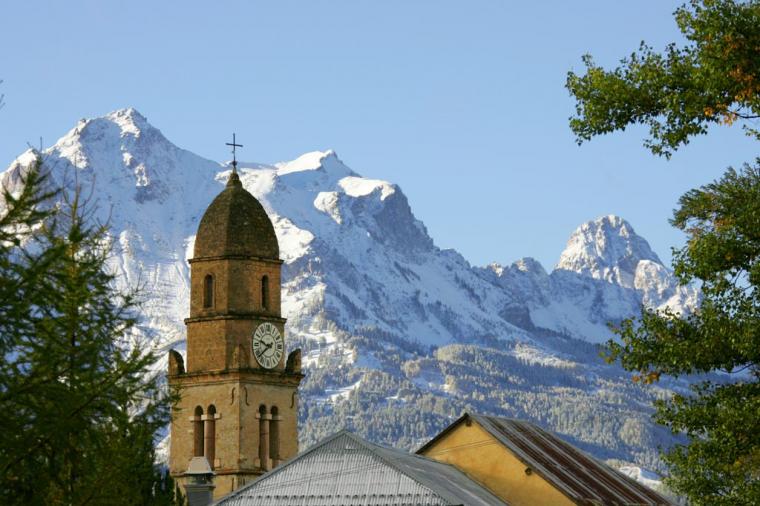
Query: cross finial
[234,145]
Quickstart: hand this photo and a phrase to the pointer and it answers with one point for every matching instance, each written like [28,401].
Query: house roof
[344,469]
[573,472]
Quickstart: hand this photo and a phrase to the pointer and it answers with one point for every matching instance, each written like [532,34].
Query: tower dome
[236,224]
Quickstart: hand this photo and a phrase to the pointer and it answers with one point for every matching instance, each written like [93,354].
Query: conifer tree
[81,410]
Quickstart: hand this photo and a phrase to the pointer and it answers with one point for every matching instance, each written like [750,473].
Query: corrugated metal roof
[343,469]
[578,475]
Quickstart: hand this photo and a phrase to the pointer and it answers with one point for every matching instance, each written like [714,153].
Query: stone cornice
[236,257]
[248,375]
[235,316]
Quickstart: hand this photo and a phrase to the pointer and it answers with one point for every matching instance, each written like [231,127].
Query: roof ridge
[373,447]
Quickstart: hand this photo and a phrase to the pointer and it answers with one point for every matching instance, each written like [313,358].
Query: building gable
[533,457]
[478,454]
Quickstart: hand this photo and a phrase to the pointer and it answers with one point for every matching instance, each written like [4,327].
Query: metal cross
[234,145]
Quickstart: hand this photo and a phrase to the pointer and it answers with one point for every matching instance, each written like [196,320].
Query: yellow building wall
[483,458]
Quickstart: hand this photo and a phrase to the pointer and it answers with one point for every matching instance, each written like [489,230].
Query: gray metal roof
[576,474]
[344,469]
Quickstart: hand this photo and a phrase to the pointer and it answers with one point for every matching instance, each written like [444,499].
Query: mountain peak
[606,248]
[529,265]
[129,113]
[128,119]
[123,150]
[108,129]
[326,161]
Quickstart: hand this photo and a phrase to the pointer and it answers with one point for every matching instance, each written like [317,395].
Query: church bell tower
[238,402]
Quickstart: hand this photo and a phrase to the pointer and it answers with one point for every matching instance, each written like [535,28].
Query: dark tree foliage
[679,94]
[80,412]
[721,463]
[714,79]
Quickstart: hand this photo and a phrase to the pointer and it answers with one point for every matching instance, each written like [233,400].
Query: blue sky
[460,103]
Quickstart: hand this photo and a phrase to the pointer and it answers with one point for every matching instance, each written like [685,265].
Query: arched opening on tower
[208,291]
[263,437]
[274,436]
[265,292]
[209,449]
[198,432]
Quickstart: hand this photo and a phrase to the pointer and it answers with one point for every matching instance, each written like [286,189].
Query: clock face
[268,346]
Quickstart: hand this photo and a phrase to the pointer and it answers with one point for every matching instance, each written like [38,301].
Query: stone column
[209,438]
[274,438]
[264,440]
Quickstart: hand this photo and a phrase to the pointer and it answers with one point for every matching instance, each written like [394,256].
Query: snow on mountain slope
[150,192]
[604,275]
[381,312]
[353,245]
[354,251]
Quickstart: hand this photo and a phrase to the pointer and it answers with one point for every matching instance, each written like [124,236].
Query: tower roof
[236,224]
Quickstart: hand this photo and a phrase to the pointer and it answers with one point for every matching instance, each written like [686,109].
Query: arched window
[208,291]
[198,432]
[274,436]
[265,292]
[209,443]
[263,437]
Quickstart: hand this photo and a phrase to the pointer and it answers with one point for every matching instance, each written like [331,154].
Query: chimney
[200,487]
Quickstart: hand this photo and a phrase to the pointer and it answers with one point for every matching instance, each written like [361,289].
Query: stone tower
[238,402]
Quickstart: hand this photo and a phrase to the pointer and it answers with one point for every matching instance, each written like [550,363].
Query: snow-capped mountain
[398,334]
[608,249]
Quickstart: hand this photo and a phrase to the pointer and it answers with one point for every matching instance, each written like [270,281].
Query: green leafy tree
[679,93]
[714,79]
[721,463]
[81,410]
